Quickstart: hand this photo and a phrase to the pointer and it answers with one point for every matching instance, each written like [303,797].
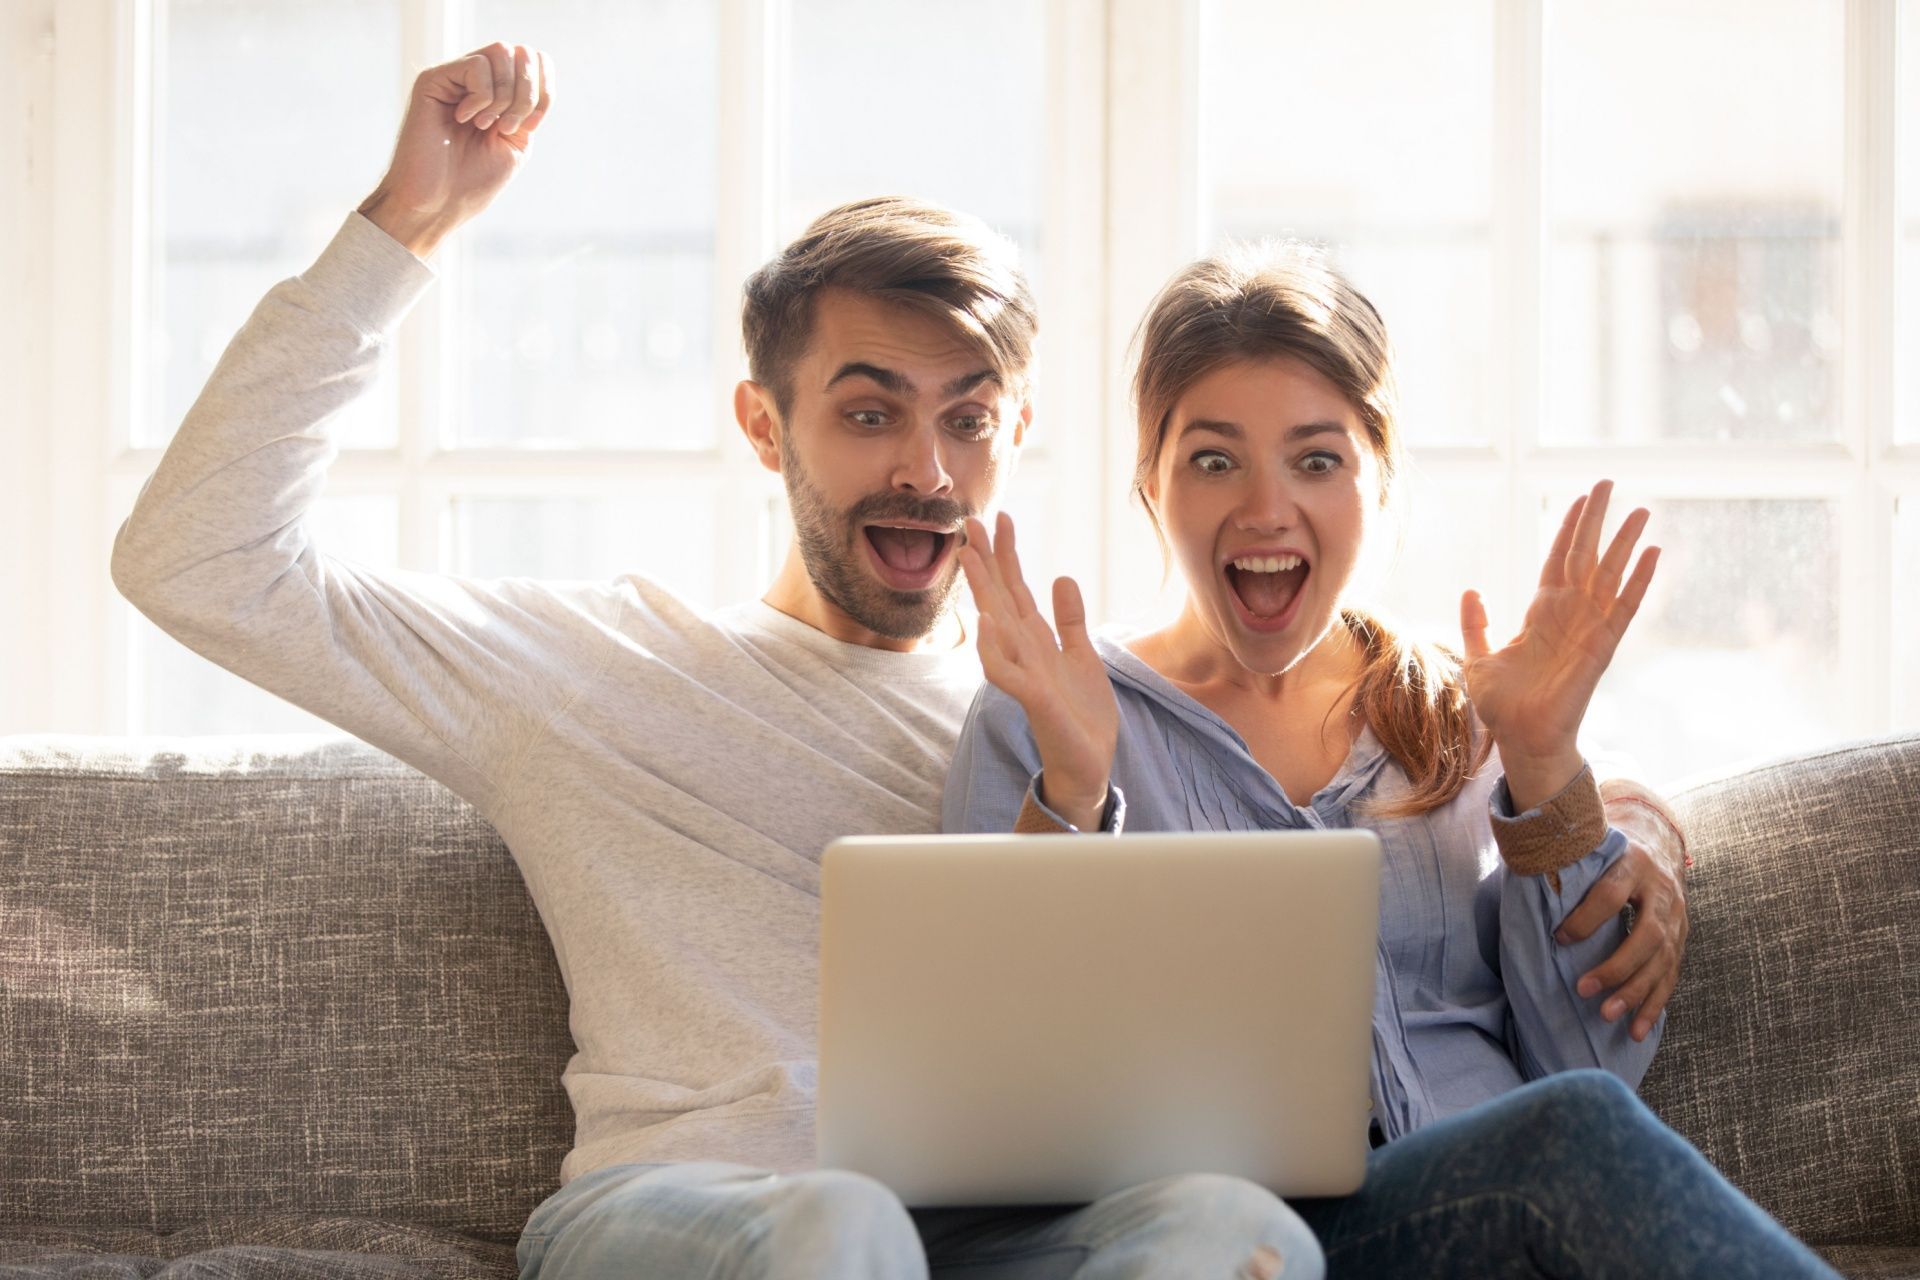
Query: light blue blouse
[1473,997]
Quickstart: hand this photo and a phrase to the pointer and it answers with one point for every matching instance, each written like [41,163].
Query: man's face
[896,431]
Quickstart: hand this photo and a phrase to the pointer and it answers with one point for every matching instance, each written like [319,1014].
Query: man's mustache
[877,508]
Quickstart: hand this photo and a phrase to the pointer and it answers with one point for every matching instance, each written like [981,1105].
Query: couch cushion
[241,975]
[280,1246]
[1792,1051]
[1874,1262]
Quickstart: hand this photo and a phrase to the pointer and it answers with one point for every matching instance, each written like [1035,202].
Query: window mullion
[750,173]
[1153,146]
[424,360]
[1518,256]
[1869,281]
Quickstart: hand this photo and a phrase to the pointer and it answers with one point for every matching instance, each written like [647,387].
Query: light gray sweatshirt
[666,781]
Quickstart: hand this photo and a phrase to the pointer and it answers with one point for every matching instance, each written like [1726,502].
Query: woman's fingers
[1554,572]
[1584,555]
[1634,592]
[1606,579]
[983,573]
[1007,552]
[1473,625]
[1070,615]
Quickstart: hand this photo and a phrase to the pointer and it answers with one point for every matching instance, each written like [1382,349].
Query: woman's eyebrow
[1232,431]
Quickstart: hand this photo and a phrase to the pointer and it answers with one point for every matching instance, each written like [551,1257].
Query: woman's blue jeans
[1567,1176]
[1570,1176]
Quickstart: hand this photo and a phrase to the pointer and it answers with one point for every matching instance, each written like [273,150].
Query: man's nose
[921,466]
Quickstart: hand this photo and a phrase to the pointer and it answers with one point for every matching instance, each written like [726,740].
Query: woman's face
[1266,486]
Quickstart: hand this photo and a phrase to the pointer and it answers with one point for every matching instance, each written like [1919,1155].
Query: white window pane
[1907,428]
[1735,653]
[1694,153]
[272,122]
[945,100]
[1389,168]
[1453,532]
[588,302]
[183,693]
[1906,614]
[666,535]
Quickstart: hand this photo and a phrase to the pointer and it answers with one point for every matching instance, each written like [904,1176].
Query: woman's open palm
[1060,683]
[1532,694]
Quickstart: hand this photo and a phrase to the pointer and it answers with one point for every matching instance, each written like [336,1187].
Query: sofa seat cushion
[278,1246]
[1873,1262]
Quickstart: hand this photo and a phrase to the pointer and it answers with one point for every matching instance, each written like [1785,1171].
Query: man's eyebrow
[1232,431]
[889,380]
[968,381]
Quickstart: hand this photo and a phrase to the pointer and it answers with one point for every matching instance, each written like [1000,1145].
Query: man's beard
[830,544]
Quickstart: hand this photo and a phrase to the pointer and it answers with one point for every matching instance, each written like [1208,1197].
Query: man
[667,781]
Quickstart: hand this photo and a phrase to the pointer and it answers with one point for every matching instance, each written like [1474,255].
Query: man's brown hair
[947,265]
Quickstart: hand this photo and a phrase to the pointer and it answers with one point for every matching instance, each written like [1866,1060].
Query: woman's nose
[1267,506]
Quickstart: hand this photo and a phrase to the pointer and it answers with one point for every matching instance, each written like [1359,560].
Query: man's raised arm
[453,676]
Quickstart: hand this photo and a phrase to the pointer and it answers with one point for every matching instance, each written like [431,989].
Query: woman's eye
[1319,464]
[1212,463]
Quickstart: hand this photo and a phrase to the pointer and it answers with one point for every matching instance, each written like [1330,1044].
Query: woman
[1268,456]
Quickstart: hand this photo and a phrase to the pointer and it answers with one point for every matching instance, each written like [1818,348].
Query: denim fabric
[1567,1176]
[678,1222]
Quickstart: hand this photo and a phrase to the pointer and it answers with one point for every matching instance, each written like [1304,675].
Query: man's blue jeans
[1569,1176]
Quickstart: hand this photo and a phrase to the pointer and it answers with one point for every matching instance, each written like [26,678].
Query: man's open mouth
[909,557]
[1267,586]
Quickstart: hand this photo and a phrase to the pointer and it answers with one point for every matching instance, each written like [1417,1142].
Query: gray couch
[280,1007]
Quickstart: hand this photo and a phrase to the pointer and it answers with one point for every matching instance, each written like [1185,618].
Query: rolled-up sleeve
[1552,1027]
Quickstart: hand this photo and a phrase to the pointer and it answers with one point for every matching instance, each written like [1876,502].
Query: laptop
[1046,1019]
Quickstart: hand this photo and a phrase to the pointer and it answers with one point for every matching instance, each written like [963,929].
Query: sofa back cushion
[1792,1050]
[257,974]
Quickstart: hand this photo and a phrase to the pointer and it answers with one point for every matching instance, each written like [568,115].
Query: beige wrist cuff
[1558,834]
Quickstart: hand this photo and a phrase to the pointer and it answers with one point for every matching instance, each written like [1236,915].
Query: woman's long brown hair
[1274,300]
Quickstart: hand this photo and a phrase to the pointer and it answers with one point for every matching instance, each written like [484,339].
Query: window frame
[1124,111]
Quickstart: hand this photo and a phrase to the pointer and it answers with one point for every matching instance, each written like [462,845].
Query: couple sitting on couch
[667,781]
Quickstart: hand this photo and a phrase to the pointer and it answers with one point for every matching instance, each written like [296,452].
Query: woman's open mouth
[909,557]
[1267,589]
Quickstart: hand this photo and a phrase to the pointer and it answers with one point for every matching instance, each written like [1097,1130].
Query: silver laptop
[1047,1019]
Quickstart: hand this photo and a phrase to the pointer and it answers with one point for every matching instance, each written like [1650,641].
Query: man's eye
[868,417]
[1321,463]
[973,425]
[1211,462]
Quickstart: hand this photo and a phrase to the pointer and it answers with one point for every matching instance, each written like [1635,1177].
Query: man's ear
[759,417]
[1023,424]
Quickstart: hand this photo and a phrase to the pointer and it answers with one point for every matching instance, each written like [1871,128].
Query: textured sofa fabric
[285,996]
[1792,1052]
[281,1008]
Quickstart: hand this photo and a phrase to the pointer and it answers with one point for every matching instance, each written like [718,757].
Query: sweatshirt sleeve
[1553,1028]
[452,676]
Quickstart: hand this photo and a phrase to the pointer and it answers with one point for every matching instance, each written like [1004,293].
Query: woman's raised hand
[1061,684]
[1533,693]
